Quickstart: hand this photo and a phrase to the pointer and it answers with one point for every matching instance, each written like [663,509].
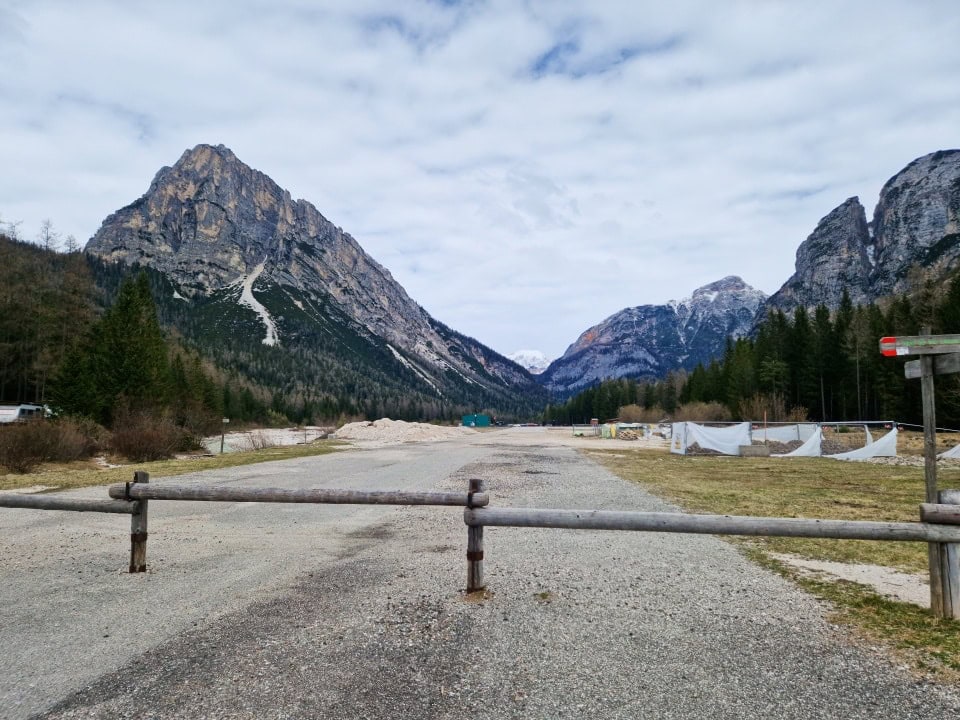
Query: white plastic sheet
[810,447]
[678,444]
[726,440]
[884,447]
[953,452]
[786,433]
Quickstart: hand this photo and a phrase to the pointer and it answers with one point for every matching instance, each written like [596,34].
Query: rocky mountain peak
[212,224]
[916,223]
[720,293]
[837,255]
[648,341]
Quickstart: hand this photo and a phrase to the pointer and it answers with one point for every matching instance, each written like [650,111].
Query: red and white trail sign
[919,345]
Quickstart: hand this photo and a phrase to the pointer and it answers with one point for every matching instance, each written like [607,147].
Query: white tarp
[678,438]
[786,433]
[810,447]
[869,436]
[884,447]
[953,452]
[726,440]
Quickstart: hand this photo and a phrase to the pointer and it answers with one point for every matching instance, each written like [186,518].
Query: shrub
[259,440]
[141,437]
[703,412]
[638,414]
[774,406]
[277,420]
[24,446]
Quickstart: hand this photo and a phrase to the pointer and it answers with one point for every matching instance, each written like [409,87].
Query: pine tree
[121,363]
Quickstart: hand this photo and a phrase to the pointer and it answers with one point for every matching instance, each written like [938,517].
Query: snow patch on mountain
[247,298]
[403,361]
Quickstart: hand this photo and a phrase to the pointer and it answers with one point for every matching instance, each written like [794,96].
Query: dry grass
[792,487]
[84,474]
[823,488]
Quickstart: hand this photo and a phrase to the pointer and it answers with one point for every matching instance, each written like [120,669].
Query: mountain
[648,341]
[916,224]
[267,286]
[533,361]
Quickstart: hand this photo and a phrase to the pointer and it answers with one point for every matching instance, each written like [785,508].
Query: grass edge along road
[823,488]
[77,475]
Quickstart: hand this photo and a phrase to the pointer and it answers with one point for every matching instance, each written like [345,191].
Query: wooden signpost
[939,355]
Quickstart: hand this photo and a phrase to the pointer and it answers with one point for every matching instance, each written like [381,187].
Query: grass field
[85,474]
[817,488]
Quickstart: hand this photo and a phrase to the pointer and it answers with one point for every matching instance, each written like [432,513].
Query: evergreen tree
[121,363]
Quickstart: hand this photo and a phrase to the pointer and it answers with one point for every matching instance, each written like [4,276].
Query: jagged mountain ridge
[648,341]
[916,223]
[223,232]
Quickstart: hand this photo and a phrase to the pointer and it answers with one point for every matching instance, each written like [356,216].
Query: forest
[95,352]
[819,366]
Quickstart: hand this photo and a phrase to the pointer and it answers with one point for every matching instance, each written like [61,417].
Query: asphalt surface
[265,611]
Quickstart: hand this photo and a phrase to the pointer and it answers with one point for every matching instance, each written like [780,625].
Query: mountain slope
[916,223]
[252,270]
[648,341]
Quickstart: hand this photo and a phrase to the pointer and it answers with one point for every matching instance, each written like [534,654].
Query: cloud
[560,160]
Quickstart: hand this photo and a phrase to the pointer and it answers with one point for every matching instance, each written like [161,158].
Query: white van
[24,411]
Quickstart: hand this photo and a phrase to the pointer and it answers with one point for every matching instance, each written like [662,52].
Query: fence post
[138,530]
[474,545]
[950,566]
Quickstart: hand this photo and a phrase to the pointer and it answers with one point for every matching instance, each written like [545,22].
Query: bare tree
[48,237]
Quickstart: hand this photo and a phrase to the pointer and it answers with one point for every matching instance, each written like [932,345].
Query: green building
[476,421]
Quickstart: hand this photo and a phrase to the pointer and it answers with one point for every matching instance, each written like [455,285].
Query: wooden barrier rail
[220,493]
[52,502]
[710,524]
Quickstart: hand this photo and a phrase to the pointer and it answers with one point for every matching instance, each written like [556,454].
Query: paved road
[263,611]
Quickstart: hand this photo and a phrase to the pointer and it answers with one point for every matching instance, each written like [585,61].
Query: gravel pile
[399,431]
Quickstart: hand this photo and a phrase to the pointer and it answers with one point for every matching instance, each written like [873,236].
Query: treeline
[47,299]
[823,366]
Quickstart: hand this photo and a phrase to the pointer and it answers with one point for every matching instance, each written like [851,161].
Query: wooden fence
[939,526]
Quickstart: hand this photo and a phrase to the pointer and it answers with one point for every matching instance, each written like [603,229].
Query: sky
[524,169]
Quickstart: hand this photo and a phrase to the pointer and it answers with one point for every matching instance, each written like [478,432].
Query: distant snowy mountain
[532,360]
[648,341]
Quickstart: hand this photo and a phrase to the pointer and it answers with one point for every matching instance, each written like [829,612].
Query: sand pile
[386,430]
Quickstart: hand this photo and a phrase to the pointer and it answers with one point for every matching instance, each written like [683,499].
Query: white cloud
[524,170]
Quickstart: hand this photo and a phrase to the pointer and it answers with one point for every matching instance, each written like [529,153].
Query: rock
[836,255]
[915,225]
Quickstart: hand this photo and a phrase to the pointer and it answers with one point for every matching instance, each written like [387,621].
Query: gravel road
[264,611]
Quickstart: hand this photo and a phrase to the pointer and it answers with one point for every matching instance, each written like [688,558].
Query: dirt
[905,587]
